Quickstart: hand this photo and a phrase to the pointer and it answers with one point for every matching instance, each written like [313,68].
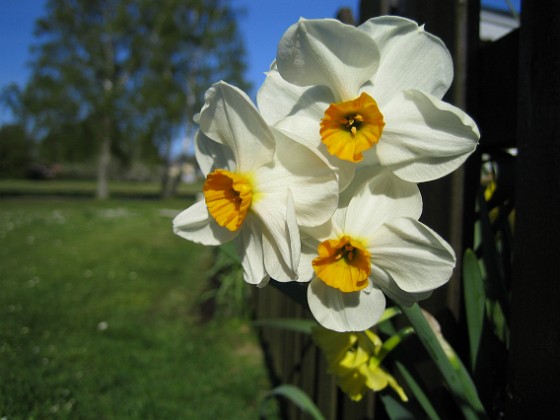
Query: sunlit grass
[25,187]
[99,318]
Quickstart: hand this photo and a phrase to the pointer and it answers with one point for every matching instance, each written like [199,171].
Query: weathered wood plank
[534,365]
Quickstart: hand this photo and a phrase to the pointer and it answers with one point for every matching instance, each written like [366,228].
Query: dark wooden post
[534,364]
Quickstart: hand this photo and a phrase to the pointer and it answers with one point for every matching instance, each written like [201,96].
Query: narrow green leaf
[229,249]
[490,255]
[296,396]
[418,392]
[395,409]
[453,372]
[497,318]
[475,297]
[221,262]
[292,324]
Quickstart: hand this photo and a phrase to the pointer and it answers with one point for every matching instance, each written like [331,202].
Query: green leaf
[395,409]
[490,255]
[229,249]
[452,369]
[418,392]
[296,396]
[498,321]
[475,296]
[292,324]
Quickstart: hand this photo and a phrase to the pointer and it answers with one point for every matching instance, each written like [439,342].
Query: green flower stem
[389,313]
[395,340]
[379,353]
[450,366]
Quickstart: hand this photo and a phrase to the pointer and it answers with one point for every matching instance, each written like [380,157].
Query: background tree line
[118,79]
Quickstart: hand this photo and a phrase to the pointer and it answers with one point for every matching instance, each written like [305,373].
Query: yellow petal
[397,388]
[334,344]
[352,127]
[376,378]
[353,360]
[228,197]
[343,263]
[353,384]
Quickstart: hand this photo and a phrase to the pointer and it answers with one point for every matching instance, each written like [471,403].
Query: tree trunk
[103,162]
[165,178]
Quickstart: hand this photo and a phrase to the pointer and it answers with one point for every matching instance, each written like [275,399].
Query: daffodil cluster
[317,183]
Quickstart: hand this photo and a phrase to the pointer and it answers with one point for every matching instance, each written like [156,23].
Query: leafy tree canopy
[124,77]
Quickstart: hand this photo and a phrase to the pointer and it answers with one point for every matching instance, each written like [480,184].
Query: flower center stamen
[343,263]
[228,197]
[353,123]
[352,127]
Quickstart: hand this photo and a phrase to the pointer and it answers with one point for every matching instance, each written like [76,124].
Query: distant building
[496,22]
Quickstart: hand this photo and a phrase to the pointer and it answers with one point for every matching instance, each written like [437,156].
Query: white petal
[229,117]
[385,282]
[345,170]
[416,257]
[302,128]
[329,230]
[425,138]
[278,99]
[305,131]
[250,249]
[410,58]
[297,112]
[308,254]
[195,224]
[280,234]
[306,172]
[329,53]
[375,197]
[211,155]
[339,311]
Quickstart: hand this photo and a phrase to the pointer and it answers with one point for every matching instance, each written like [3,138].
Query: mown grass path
[99,318]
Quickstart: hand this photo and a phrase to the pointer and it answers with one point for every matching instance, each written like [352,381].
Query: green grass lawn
[86,188]
[99,318]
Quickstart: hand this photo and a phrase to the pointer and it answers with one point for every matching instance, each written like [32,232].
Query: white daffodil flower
[259,187]
[374,246]
[369,95]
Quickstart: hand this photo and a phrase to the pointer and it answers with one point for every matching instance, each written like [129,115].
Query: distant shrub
[16,151]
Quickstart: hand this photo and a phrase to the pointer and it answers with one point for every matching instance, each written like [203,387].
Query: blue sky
[16,29]
[262,25]
[265,22]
